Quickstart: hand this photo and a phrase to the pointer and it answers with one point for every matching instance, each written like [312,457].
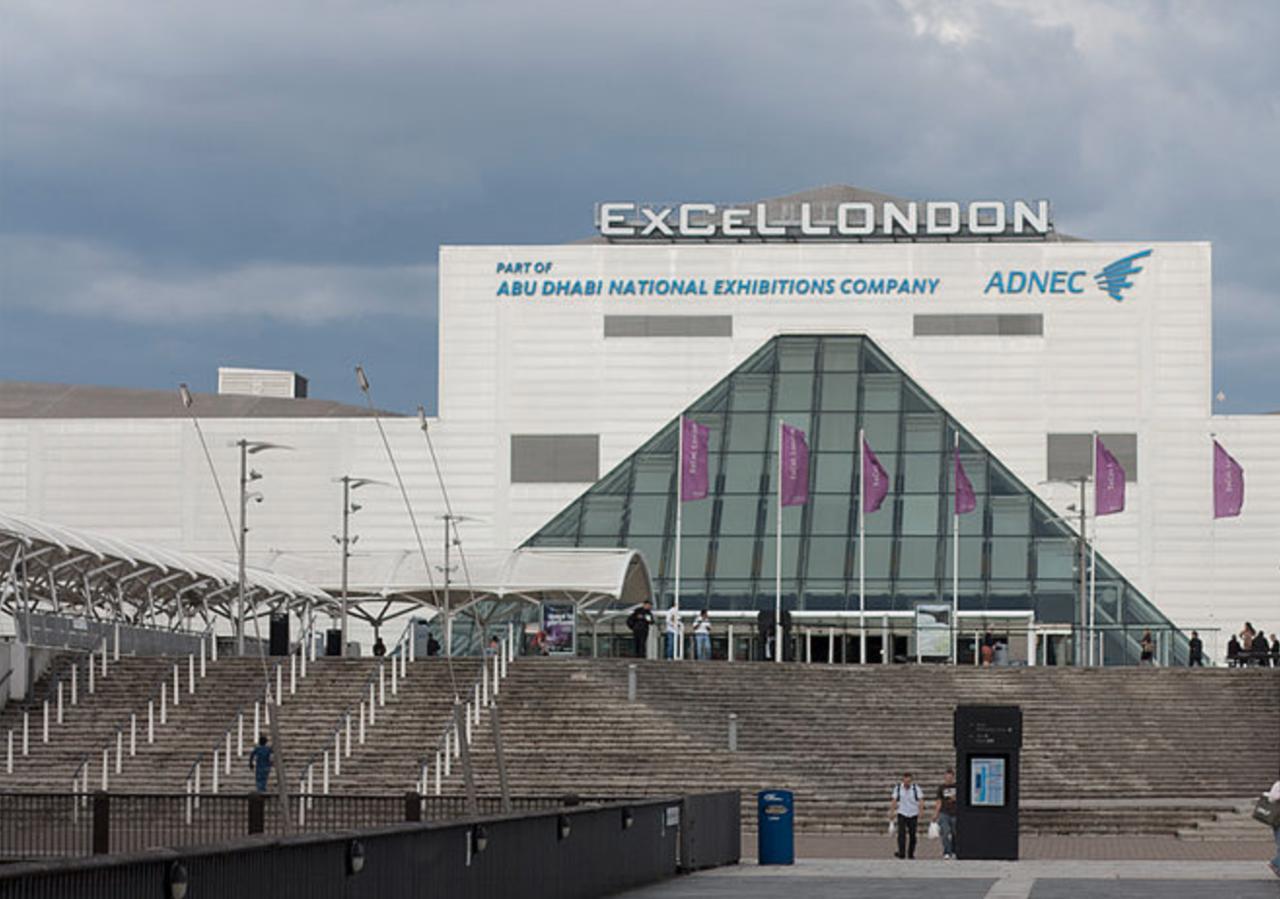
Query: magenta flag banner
[693,461]
[1108,495]
[1228,484]
[875,480]
[966,499]
[795,467]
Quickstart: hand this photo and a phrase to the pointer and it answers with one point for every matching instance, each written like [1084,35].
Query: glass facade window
[1016,554]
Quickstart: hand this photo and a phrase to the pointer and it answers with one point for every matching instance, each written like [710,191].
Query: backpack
[897,792]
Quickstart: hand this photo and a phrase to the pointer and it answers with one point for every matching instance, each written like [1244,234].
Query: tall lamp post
[346,541]
[247,476]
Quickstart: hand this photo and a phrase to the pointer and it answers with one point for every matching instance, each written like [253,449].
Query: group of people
[907,801]
[1251,647]
[642,619]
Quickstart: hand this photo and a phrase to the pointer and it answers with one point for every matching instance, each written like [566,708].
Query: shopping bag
[934,830]
[893,827]
[1267,812]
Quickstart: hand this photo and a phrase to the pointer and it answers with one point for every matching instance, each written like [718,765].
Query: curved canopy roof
[143,562]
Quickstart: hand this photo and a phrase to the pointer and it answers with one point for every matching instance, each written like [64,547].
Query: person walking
[639,622]
[1274,795]
[702,636]
[674,628]
[944,812]
[260,763]
[1148,649]
[905,811]
[1195,651]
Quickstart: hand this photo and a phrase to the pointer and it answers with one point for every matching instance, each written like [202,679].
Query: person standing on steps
[379,648]
[944,812]
[1148,649]
[260,763]
[639,622]
[674,629]
[702,636]
[1195,651]
[906,806]
[1261,650]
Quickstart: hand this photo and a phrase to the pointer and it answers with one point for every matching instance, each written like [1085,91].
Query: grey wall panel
[555,458]
[995,325]
[1070,456]
[668,326]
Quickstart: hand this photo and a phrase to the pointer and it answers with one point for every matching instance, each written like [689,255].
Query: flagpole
[1093,558]
[777,600]
[1213,535]
[955,546]
[677,646]
[862,550]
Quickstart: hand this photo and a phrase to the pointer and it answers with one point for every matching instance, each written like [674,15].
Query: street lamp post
[247,476]
[346,541]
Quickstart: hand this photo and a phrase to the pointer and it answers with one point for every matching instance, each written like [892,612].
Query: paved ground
[893,879]
[820,846]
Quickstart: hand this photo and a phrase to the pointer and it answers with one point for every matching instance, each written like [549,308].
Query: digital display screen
[987,782]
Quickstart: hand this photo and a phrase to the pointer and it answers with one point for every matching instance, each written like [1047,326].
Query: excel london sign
[817,220]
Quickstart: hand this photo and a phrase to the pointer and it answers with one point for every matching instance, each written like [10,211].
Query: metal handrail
[441,747]
[220,740]
[133,712]
[400,645]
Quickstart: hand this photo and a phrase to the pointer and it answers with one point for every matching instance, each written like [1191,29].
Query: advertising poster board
[559,628]
[986,782]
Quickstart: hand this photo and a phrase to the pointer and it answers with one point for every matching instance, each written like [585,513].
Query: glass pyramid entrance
[1016,554]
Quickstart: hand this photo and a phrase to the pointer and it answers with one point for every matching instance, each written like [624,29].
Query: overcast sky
[184,185]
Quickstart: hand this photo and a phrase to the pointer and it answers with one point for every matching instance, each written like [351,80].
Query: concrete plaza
[1030,879]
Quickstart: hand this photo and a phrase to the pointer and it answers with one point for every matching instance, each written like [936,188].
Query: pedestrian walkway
[891,879]
[1115,848]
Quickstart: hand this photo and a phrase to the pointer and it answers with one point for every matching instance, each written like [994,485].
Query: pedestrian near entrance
[905,811]
[1233,652]
[1261,650]
[639,622]
[260,763]
[1195,651]
[944,812]
[702,636]
[674,630]
[1148,649]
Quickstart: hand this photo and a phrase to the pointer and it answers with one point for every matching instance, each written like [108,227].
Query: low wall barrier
[567,852]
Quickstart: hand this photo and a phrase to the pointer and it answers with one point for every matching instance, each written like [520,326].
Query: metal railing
[157,704]
[62,691]
[436,764]
[62,631]
[340,736]
[42,825]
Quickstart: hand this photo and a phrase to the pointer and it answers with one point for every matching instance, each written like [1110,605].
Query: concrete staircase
[1164,742]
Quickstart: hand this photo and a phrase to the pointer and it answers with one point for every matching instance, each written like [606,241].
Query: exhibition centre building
[565,371]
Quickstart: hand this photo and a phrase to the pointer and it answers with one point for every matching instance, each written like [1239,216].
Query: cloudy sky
[184,185]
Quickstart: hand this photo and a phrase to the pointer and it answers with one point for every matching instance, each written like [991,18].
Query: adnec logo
[1113,280]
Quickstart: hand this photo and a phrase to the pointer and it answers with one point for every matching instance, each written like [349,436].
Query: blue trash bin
[776,834]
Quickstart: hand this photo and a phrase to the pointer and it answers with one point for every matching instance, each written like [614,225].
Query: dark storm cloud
[293,166]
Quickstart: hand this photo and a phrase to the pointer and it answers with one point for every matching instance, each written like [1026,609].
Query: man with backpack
[639,621]
[906,807]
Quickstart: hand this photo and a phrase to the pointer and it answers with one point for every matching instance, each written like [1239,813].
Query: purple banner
[875,480]
[966,500]
[795,467]
[1228,484]
[1108,495]
[693,461]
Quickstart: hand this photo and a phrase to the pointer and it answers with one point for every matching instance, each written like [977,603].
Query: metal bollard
[362,724]
[45,739]
[337,754]
[293,675]
[104,658]
[348,737]
[382,684]
[59,702]
[631,682]
[26,732]
[177,686]
[213,647]
[279,684]
[324,781]
[240,733]
[733,732]
[91,674]
[395,677]
[151,721]
[191,674]
[213,778]
[203,652]
[119,751]
[8,755]
[226,752]
[133,735]
[257,724]
[164,709]
[74,678]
